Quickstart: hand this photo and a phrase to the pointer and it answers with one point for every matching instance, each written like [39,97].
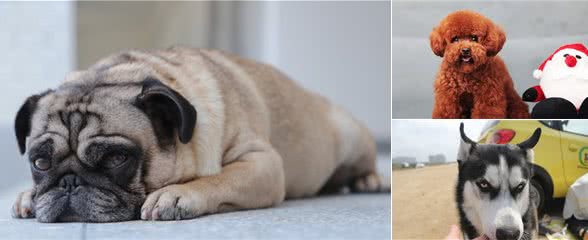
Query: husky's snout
[508,224]
[509,227]
[502,219]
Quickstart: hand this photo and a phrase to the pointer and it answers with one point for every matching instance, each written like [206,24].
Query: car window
[575,126]
[555,124]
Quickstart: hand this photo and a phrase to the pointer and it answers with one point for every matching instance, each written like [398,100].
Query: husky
[492,192]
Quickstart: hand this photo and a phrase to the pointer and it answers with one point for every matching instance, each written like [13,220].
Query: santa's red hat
[576,46]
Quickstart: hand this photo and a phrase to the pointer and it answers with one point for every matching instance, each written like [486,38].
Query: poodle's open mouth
[466,59]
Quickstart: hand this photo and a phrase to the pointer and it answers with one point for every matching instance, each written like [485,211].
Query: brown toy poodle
[473,82]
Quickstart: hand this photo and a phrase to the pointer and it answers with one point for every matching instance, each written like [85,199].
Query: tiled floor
[351,216]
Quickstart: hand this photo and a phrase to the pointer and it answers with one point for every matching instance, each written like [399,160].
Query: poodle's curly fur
[474,85]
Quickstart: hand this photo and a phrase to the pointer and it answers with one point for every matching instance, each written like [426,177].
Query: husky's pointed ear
[168,111]
[465,138]
[466,145]
[464,151]
[532,141]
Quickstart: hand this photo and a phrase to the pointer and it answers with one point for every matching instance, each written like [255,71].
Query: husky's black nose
[507,234]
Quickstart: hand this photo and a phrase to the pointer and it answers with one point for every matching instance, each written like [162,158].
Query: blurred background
[534,30]
[338,49]
[428,141]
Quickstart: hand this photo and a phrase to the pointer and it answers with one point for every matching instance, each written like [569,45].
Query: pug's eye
[454,39]
[113,160]
[474,38]
[42,164]
[483,185]
[519,188]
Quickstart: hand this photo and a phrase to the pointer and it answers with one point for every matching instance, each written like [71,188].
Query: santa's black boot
[554,108]
[583,111]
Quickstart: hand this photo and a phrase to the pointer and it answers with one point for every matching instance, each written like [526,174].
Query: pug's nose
[507,234]
[70,182]
[465,51]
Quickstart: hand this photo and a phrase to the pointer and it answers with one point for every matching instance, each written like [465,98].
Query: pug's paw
[23,207]
[174,202]
[371,183]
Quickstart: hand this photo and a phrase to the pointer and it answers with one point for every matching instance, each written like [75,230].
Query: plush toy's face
[567,63]
[566,76]
[466,40]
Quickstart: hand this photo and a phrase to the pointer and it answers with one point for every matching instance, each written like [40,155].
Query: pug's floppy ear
[22,122]
[465,147]
[168,110]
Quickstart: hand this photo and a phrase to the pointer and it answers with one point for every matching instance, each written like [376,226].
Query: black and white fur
[492,192]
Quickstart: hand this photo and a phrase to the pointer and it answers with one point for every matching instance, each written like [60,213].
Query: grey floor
[349,216]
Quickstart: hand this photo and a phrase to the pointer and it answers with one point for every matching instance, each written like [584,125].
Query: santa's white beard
[572,88]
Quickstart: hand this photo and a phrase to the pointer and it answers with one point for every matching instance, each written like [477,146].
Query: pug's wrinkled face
[89,146]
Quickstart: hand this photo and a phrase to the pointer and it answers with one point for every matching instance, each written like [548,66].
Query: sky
[423,137]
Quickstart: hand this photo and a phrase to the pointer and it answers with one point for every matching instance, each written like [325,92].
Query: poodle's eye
[475,38]
[454,39]
[566,55]
[578,57]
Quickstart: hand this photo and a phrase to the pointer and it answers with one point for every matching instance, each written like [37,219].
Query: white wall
[339,49]
[104,28]
[37,49]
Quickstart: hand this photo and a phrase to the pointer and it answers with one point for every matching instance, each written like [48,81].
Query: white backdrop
[339,49]
[36,49]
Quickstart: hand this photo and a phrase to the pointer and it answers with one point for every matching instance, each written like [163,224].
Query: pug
[178,133]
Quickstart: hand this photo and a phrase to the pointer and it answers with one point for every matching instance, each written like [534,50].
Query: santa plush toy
[563,85]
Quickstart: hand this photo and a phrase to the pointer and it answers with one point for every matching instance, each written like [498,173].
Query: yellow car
[561,156]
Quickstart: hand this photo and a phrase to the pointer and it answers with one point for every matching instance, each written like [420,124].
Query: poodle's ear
[495,39]
[437,42]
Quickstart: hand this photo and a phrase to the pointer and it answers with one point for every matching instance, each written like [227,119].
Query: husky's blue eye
[483,185]
[520,187]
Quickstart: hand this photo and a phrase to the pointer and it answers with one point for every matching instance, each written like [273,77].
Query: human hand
[455,233]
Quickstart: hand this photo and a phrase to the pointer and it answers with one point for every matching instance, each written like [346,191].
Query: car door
[574,146]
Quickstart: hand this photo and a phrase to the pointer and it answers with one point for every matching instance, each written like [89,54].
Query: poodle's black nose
[465,51]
